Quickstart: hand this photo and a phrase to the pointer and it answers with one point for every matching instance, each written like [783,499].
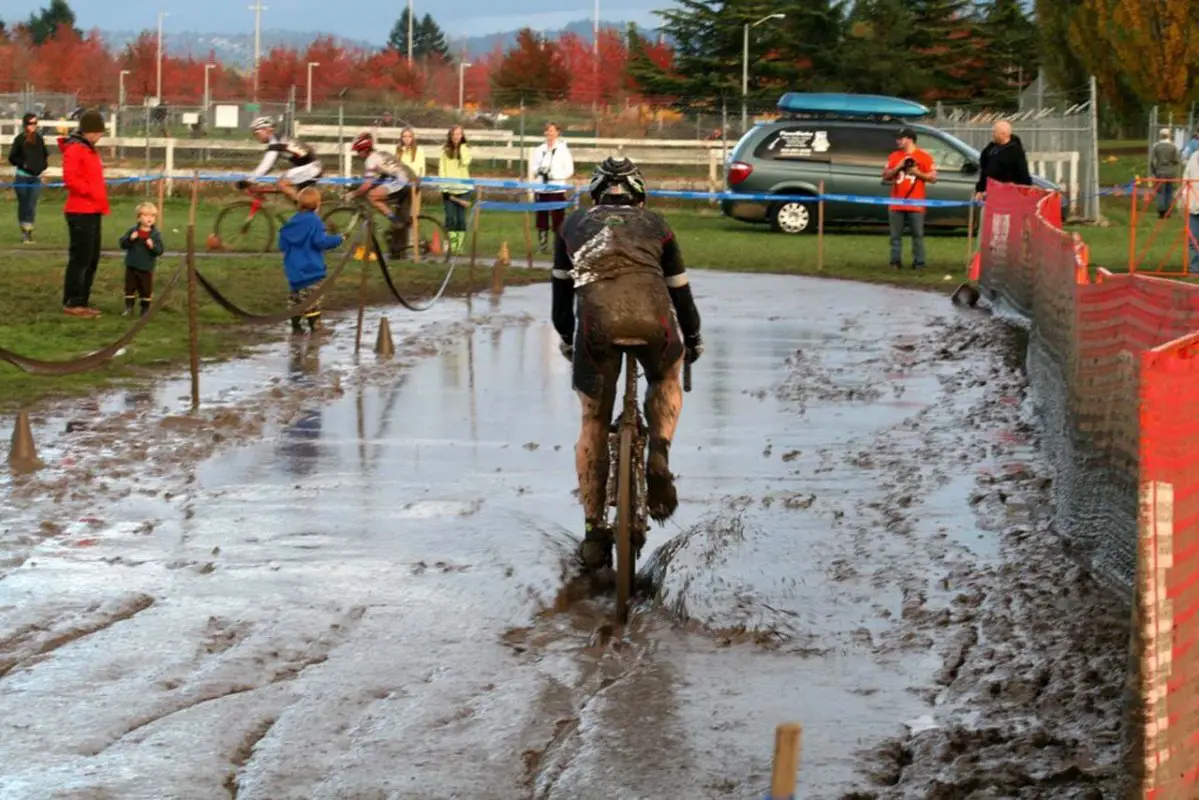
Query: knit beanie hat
[91,122]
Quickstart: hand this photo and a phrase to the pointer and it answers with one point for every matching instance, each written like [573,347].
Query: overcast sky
[370,21]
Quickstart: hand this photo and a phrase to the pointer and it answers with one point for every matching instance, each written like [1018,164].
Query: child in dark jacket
[303,242]
[142,245]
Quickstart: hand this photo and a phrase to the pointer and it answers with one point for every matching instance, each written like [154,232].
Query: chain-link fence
[1179,127]
[1042,131]
[220,119]
[51,105]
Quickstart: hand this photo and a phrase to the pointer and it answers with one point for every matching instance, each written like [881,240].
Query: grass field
[32,324]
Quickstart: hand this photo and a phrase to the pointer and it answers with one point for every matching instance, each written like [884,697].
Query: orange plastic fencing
[1168,574]
[1164,249]
[1114,363]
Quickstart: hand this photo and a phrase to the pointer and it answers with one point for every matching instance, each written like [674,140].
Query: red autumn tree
[278,71]
[387,71]
[339,68]
[594,79]
[533,69]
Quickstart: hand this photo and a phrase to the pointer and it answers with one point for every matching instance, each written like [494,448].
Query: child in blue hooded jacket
[303,242]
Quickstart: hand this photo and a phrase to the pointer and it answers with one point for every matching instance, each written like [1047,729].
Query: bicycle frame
[630,490]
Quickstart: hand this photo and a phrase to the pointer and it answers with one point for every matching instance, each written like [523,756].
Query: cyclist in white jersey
[385,177]
[305,168]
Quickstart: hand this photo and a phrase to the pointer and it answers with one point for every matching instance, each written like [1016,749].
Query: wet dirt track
[358,602]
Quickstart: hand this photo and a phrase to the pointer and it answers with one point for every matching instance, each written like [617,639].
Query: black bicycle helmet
[619,180]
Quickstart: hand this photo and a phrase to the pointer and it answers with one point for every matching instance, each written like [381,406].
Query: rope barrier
[272,319]
[546,188]
[34,366]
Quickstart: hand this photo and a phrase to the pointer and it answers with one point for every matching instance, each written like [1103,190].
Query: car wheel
[792,217]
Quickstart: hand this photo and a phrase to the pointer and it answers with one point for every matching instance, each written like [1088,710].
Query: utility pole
[257,8]
[158,92]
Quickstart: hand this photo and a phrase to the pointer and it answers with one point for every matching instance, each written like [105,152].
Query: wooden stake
[970,232]
[162,204]
[1132,232]
[788,738]
[361,308]
[820,231]
[529,237]
[193,308]
[414,231]
[474,243]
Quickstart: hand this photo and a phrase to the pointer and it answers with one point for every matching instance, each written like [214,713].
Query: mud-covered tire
[625,505]
[793,216]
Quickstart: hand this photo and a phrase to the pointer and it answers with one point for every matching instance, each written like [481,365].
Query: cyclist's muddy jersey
[608,241]
[295,151]
[382,165]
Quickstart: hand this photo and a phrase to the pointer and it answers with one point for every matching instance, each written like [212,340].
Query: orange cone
[435,245]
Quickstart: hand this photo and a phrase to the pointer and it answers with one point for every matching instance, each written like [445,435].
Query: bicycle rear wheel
[626,496]
[244,226]
[339,220]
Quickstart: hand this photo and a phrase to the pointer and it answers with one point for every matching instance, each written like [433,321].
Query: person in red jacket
[87,203]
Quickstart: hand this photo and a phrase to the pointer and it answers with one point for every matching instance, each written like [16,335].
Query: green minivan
[847,152]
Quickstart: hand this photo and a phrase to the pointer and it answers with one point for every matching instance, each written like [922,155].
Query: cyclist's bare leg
[592,464]
[663,403]
[378,199]
[288,188]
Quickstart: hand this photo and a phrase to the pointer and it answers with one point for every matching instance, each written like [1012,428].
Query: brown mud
[349,583]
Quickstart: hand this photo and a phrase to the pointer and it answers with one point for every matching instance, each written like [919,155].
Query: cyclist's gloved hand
[695,347]
[243,184]
[567,349]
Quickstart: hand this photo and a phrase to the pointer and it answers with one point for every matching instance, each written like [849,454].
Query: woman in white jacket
[551,162]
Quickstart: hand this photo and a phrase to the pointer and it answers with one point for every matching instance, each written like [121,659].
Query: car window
[945,156]
[799,142]
[861,147]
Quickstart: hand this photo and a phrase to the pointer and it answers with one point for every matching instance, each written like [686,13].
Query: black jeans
[83,256]
[27,188]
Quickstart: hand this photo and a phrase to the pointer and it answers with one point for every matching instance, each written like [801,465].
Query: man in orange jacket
[87,203]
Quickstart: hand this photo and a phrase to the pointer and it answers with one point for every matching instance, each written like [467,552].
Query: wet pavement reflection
[360,602]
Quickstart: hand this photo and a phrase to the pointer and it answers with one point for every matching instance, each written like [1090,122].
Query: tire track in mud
[287,667]
[604,662]
[33,643]
[1027,702]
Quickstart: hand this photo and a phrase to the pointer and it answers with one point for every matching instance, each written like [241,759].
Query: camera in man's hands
[909,164]
[544,174]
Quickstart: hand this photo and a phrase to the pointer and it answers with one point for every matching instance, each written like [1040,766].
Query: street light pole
[745,69]
[161,14]
[462,65]
[257,8]
[410,27]
[207,96]
[120,99]
[311,64]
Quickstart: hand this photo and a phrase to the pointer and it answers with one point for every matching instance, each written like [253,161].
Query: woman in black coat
[30,156]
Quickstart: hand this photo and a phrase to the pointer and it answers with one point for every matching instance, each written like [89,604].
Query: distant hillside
[233,49]
[238,49]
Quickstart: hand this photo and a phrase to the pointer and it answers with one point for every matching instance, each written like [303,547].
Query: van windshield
[956,142]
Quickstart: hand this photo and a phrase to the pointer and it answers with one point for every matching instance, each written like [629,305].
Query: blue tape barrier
[500,206]
[574,192]
[109,181]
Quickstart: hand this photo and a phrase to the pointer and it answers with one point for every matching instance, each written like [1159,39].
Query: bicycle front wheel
[625,504]
[245,226]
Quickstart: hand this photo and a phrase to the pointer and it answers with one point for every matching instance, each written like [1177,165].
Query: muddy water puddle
[357,599]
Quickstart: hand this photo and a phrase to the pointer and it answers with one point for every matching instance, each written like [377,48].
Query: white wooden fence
[496,146]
